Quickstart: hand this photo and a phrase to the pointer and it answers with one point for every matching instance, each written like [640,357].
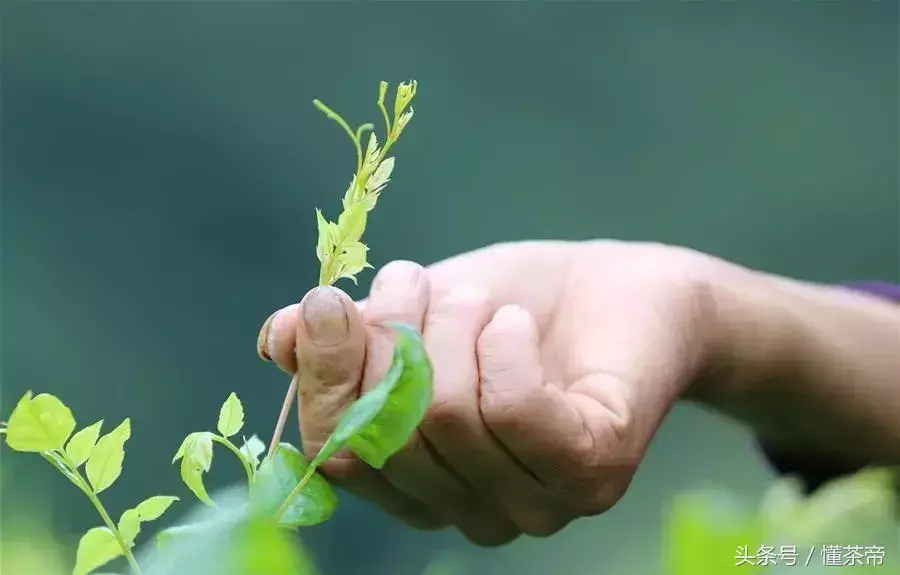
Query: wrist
[808,367]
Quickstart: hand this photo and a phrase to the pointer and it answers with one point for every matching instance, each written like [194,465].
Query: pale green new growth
[43,424]
[339,248]
[231,416]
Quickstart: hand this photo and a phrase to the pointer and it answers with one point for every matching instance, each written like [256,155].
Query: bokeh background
[161,163]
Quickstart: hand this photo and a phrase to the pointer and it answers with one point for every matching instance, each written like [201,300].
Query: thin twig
[282,417]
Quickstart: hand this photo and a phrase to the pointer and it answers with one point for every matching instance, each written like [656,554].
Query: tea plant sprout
[42,424]
[284,487]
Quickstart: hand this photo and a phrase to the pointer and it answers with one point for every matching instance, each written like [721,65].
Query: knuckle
[504,408]
[544,524]
[490,536]
[444,413]
[397,271]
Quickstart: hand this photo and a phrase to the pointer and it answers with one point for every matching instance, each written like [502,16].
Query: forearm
[810,368]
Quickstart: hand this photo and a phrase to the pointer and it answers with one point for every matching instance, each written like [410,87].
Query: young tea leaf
[82,443]
[96,548]
[39,423]
[252,449]
[129,526]
[381,422]
[152,508]
[231,416]
[105,463]
[192,475]
[276,479]
[196,454]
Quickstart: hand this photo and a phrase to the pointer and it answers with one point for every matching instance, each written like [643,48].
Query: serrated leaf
[276,479]
[152,508]
[403,120]
[382,175]
[105,463]
[82,443]
[39,423]
[381,422]
[354,256]
[129,526]
[371,157]
[202,451]
[324,242]
[231,416]
[351,225]
[350,194]
[370,199]
[252,449]
[96,548]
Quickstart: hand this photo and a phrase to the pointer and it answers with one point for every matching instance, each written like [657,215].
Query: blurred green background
[161,162]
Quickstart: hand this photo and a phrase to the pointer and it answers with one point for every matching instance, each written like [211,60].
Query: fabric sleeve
[814,471]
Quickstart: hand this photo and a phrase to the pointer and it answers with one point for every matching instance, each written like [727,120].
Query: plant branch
[310,471]
[237,452]
[283,415]
[110,524]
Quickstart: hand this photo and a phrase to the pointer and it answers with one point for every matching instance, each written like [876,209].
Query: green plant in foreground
[284,489]
[43,424]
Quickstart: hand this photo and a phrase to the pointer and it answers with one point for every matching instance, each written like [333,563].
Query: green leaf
[381,422]
[704,539]
[325,241]
[192,475]
[105,463]
[96,548]
[352,224]
[82,443]
[842,506]
[129,526]
[252,449]
[276,479]
[152,508]
[381,176]
[231,416]
[40,423]
[196,454]
[229,544]
[371,157]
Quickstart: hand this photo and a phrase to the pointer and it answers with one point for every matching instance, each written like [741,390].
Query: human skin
[556,362]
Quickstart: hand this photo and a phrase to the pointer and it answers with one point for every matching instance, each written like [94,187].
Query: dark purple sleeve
[813,470]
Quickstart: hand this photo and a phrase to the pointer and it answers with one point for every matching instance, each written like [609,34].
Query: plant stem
[85,487]
[282,417]
[310,471]
[233,448]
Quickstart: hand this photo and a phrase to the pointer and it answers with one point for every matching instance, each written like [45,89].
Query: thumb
[330,352]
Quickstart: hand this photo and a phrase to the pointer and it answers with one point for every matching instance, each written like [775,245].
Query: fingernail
[324,316]
[262,340]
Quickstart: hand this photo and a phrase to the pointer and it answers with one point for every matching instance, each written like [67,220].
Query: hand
[554,365]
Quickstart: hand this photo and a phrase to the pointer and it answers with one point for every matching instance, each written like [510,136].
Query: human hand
[554,364]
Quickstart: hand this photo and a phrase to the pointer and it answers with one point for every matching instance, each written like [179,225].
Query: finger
[532,420]
[400,293]
[453,425]
[277,337]
[330,351]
